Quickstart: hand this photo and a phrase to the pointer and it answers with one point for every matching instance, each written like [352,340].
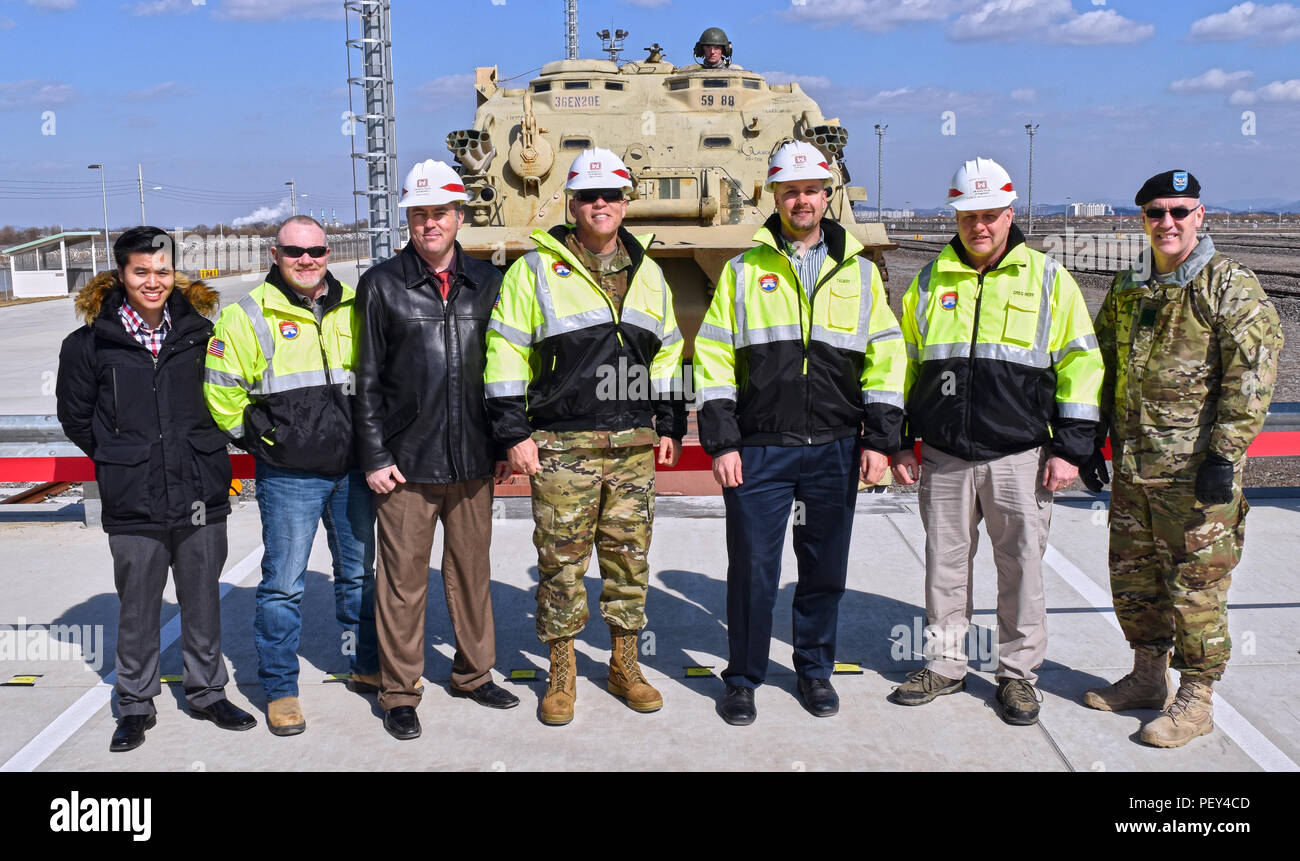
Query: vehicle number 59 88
[724,101]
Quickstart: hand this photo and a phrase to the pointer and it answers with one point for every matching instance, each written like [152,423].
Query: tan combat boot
[1189,715]
[562,686]
[625,679]
[284,716]
[1147,687]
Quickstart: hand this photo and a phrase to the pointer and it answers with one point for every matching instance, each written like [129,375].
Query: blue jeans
[292,503]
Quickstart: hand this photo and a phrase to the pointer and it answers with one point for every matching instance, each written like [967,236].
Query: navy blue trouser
[820,484]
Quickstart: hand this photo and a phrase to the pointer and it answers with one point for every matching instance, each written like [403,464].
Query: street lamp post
[1067,213]
[1031,129]
[293,198]
[103,194]
[880,173]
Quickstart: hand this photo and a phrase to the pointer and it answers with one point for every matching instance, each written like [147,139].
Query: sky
[224,101]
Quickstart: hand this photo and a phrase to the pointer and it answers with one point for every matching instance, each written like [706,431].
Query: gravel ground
[1260,472]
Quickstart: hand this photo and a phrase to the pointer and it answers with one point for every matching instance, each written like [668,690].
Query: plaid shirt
[137,328]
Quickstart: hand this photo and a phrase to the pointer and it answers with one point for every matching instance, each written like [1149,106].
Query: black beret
[1171,183]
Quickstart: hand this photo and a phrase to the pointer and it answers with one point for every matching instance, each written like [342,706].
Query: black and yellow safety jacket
[279,383]
[775,367]
[561,358]
[1002,361]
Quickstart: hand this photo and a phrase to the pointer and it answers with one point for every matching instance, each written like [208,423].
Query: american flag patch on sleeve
[217,348]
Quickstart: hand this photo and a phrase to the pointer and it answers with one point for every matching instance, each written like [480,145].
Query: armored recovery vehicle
[696,139]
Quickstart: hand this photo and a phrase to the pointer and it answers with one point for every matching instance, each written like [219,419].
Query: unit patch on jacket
[948,301]
[288,330]
[767,282]
[561,268]
[217,348]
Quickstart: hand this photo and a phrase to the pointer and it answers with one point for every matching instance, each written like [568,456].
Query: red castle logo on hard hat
[800,159]
[595,165]
[981,185]
[422,183]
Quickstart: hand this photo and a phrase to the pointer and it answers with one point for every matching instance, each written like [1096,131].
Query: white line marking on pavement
[75,716]
[1253,742]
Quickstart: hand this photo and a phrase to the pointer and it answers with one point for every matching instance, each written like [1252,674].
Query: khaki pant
[1008,495]
[407,517]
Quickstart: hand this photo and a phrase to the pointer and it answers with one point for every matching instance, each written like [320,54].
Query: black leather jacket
[419,401]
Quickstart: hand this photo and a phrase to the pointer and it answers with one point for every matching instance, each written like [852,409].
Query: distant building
[1090,210]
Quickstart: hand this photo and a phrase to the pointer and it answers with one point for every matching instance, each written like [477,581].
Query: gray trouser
[140,562]
[1007,493]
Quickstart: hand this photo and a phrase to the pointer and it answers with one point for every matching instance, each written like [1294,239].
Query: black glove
[1214,480]
[1093,472]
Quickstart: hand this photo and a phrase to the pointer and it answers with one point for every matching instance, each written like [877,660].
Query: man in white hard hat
[1003,381]
[799,373]
[583,385]
[425,444]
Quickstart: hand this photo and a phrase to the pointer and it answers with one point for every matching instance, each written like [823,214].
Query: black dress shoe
[489,694]
[819,698]
[402,722]
[737,706]
[224,714]
[130,732]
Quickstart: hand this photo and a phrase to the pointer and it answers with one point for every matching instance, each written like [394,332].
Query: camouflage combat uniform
[596,482]
[1191,358]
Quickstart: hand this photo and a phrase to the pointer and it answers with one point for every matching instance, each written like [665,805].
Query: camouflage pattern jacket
[1191,358]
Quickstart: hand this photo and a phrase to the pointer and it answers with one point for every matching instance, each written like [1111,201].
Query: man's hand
[1094,473]
[1214,480]
[670,450]
[1058,474]
[523,457]
[873,466]
[726,469]
[501,471]
[384,479]
[907,469]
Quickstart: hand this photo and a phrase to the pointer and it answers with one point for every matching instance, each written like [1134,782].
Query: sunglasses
[315,251]
[591,195]
[1155,213]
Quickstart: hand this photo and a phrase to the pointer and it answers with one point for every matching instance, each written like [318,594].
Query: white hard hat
[796,160]
[431,183]
[980,183]
[598,168]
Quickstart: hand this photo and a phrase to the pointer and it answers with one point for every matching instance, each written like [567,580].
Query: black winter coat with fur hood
[160,460]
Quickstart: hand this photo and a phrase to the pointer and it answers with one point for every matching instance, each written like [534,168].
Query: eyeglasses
[315,251]
[1155,213]
[591,195]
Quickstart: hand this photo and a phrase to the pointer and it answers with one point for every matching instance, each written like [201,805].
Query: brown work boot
[1147,687]
[1189,715]
[625,679]
[562,686]
[284,716]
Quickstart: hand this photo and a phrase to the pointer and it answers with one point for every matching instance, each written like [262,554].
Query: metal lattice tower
[570,29]
[374,86]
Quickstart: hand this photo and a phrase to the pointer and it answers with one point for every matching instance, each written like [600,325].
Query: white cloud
[816,82]
[874,16]
[437,93]
[1102,27]
[164,90]
[264,213]
[1213,81]
[1279,22]
[1277,91]
[916,100]
[261,10]
[149,8]
[1024,94]
[1046,20]
[34,93]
